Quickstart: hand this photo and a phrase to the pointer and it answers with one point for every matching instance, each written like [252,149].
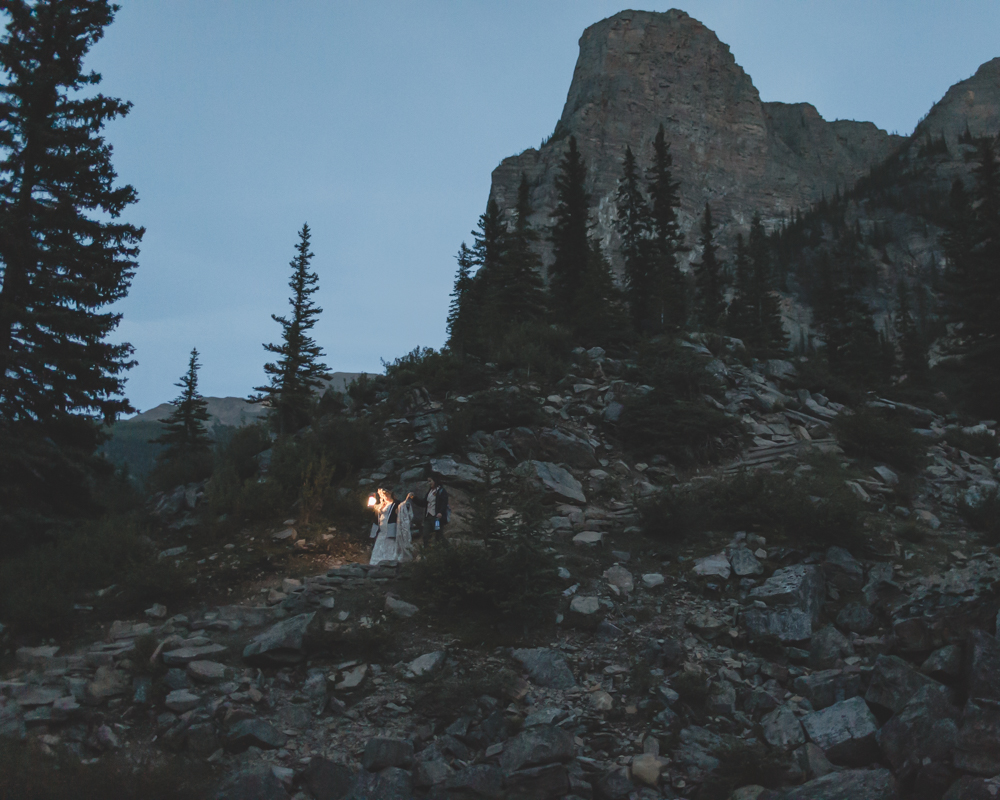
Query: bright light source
[371,501]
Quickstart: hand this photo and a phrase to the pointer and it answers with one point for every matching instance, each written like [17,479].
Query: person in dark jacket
[436,511]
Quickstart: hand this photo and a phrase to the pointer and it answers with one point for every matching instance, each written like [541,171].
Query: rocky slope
[639,69]
[684,669]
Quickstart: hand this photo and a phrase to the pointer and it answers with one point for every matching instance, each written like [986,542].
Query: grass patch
[875,435]
[815,510]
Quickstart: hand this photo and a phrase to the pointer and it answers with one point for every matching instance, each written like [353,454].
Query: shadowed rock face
[974,102]
[639,69]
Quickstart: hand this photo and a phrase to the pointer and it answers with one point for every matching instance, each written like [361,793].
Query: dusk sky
[379,123]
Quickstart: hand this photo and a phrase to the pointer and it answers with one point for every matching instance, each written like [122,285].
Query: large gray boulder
[893,682]
[546,667]
[828,647]
[926,728]
[845,731]
[782,728]
[556,479]
[851,784]
[254,733]
[983,667]
[256,782]
[978,747]
[565,448]
[281,644]
[450,472]
[382,752]
[787,604]
[823,689]
[537,746]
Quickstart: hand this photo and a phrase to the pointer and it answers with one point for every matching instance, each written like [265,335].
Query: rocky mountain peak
[974,102]
[639,69]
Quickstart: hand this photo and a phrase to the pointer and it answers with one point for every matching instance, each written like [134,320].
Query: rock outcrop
[639,69]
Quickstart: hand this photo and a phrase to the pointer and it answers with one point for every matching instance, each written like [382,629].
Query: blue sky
[379,123]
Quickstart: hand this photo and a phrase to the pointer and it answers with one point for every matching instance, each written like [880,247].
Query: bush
[975,444]
[39,587]
[509,585]
[27,774]
[983,514]
[815,510]
[743,763]
[873,434]
[674,418]
[538,351]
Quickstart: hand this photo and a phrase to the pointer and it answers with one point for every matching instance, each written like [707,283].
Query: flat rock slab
[281,644]
[851,784]
[185,655]
[619,577]
[714,566]
[558,480]
[382,752]
[546,667]
[181,700]
[424,665]
[585,605]
[206,671]
[537,746]
[254,733]
[400,608]
[653,579]
[589,538]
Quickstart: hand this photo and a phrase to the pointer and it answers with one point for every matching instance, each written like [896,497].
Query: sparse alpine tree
[633,225]
[708,275]
[490,250]
[664,201]
[65,255]
[569,235]
[297,371]
[460,315]
[184,432]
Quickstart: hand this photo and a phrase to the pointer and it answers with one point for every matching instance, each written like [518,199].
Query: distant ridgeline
[671,198]
[130,438]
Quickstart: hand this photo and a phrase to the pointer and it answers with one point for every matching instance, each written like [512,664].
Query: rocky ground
[700,669]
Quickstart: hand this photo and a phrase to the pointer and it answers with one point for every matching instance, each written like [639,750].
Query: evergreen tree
[633,225]
[599,314]
[490,251]
[460,315]
[297,371]
[64,257]
[708,275]
[757,313]
[185,433]
[569,236]
[522,292]
[911,341]
[670,294]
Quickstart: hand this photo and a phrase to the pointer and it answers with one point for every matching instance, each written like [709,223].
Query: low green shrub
[877,435]
[815,510]
[975,444]
[983,514]
[743,763]
[28,774]
[39,587]
[510,584]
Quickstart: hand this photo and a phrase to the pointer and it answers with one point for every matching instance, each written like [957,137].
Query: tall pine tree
[755,313]
[297,371]
[65,255]
[184,429]
[633,225]
[568,235]
[461,315]
[708,275]
[670,294]
[522,293]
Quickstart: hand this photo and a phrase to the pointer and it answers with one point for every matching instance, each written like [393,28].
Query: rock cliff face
[974,102]
[639,69]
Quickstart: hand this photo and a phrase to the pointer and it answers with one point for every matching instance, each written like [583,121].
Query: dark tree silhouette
[297,371]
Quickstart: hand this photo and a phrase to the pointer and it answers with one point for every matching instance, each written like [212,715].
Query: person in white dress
[392,531]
